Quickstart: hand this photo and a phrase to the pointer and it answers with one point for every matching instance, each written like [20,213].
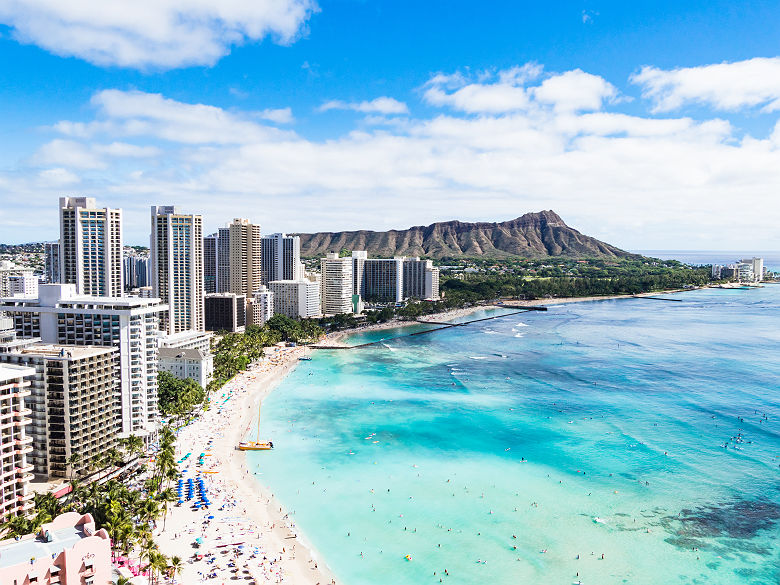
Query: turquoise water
[521,449]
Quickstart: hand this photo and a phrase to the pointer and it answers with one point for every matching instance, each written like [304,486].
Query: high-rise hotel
[176,254]
[90,252]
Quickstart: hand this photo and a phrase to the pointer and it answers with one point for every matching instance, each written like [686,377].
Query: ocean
[617,441]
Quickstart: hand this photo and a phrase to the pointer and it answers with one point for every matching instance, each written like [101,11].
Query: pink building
[67,551]
[15,498]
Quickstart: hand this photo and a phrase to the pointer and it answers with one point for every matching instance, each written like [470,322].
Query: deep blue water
[521,449]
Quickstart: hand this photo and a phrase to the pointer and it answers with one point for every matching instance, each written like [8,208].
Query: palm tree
[122,581]
[175,566]
[72,461]
[166,497]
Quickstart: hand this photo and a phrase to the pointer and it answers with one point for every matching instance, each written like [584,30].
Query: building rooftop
[67,351]
[10,372]
[21,551]
[177,352]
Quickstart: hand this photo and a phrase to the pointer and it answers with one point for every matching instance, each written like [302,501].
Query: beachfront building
[173,345]
[298,299]
[225,312]
[91,247]
[61,316]
[394,280]
[67,551]
[421,279]
[751,269]
[15,473]
[260,308]
[9,271]
[177,267]
[72,401]
[281,258]
[187,363]
[383,280]
[51,253]
[336,289]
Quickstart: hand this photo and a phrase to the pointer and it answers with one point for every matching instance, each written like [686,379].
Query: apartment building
[91,247]
[52,261]
[298,299]
[15,444]
[281,258]
[8,273]
[131,324]
[225,312]
[245,258]
[336,284]
[260,308]
[72,403]
[177,267]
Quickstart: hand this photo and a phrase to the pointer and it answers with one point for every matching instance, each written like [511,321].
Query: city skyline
[620,118]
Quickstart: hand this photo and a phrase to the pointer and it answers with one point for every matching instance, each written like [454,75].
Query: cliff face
[533,235]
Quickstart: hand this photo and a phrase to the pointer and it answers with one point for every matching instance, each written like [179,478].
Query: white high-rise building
[8,272]
[260,308]
[23,285]
[281,258]
[752,268]
[177,267]
[91,247]
[336,284]
[298,299]
[60,316]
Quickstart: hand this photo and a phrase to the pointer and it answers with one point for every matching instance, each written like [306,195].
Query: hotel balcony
[24,441]
[26,469]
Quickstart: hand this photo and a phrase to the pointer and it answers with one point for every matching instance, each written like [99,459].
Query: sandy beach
[245,532]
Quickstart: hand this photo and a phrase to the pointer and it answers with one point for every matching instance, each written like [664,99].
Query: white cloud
[508,91]
[723,86]
[279,116]
[575,90]
[635,181]
[58,177]
[68,153]
[381,105]
[152,33]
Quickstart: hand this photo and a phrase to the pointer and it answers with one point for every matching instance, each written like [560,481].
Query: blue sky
[646,124]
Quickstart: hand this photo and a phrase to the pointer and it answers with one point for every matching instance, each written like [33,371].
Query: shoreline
[244,510]
[334,339]
[255,516]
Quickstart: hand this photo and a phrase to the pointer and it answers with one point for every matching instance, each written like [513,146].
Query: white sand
[249,514]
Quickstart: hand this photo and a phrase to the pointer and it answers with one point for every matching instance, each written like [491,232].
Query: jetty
[442,325]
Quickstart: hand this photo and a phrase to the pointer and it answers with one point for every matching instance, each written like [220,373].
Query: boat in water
[256,445]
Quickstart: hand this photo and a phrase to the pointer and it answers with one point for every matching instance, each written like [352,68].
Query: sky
[649,125]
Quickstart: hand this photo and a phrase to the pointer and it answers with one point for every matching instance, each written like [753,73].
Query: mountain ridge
[532,235]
